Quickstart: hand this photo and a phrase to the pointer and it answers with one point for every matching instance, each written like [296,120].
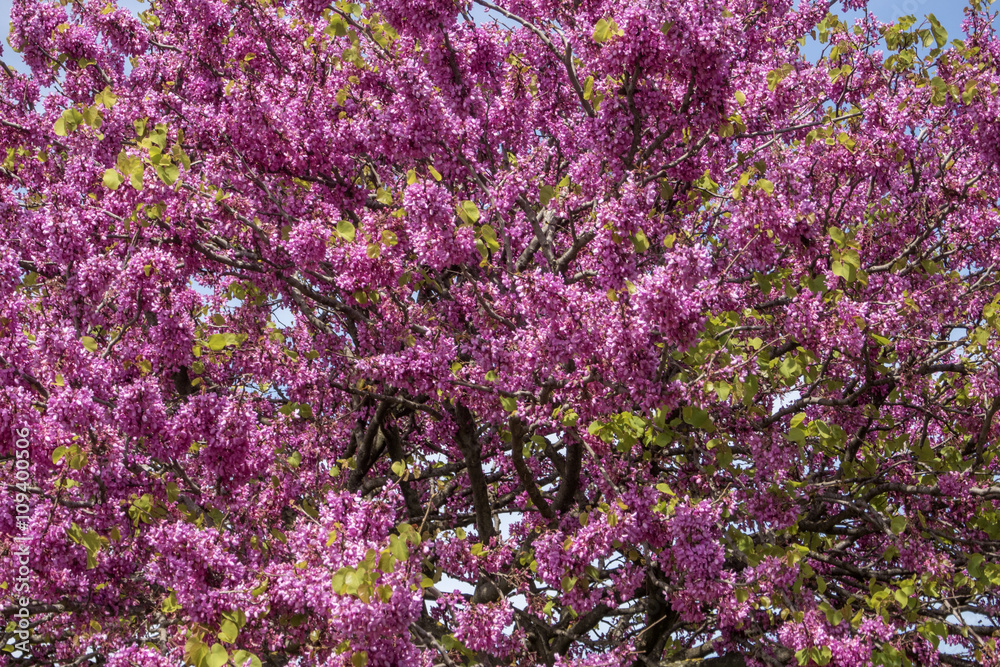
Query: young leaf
[940,34]
[217,657]
[112,179]
[545,194]
[468,212]
[228,631]
[346,231]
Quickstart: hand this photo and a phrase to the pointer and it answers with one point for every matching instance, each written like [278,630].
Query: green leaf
[60,127]
[337,26]
[898,524]
[741,98]
[135,173]
[373,250]
[605,30]
[750,390]
[844,139]
[346,231]
[844,270]
[774,77]
[228,631]
[434,173]
[168,173]
[695,416]
[901,597]
[240,657]
[489,237]
[509,403]
[640,242]
[838,236]
[389,237]
[397,547]
[765,185]
[940,34]
[178,153]
[601,31]
[260,589]
[545,194]
[92,117]
[112,179]
[89,343]
[217,342]
[723,456]
[169,604]
[217,657]
[763,281]
[882,340]
[723,389]
[468,212]
[106,98]
[195,650]
[974,566]
[667,193]
[73,119]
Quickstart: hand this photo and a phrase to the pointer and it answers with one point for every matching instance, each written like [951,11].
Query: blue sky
[12,58]
[949,13]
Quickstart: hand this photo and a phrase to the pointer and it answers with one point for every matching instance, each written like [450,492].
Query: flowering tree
[593,333]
